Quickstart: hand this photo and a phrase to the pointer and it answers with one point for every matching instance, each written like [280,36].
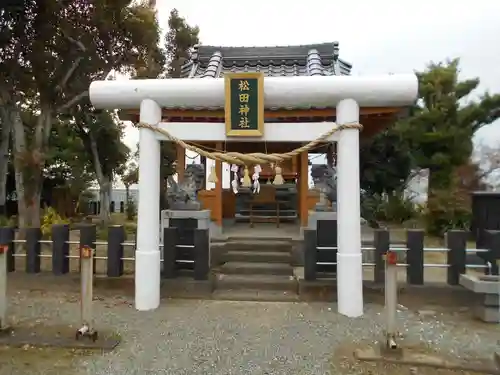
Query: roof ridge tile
[281,60]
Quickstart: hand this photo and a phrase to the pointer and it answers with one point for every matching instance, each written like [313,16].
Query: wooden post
[60,249]
[5,242]
[33,250]
[116,237]
[203,161]
[456,242]
[170,239]
[181,163]
[201,254]
[218,188]
[310,254]
[303,188]
[415,257]
[382,243]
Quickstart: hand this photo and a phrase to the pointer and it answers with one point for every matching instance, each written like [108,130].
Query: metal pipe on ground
[87,276]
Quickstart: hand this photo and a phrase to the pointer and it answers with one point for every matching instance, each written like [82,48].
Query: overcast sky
[384,36]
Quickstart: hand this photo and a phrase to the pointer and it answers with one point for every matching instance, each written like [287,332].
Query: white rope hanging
[255,177]
[234,183]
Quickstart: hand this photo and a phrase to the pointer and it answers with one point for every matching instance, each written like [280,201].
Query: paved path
[214,337]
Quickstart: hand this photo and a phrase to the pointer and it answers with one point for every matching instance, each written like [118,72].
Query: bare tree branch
[79,44]
[73,101]
[69,73]
[74,66]
[85,93]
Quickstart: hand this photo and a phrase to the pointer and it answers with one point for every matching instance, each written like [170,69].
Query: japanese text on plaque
[244,97]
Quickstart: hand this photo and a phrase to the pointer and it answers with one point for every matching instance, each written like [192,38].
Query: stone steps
[256,270]
[255,295]
[266,245]
[241,218]
[250,282]
[252,268]
[256,256]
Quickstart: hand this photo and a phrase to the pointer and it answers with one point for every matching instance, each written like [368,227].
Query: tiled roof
[303,60]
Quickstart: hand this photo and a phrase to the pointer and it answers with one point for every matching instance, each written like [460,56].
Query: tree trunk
[163,185]
[127,194]
[4,158]
[28,164]
[105,198]
[104,183]
[438,180]
[129,213]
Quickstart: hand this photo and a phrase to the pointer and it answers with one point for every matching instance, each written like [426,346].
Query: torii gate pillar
[147,255]
[349,259]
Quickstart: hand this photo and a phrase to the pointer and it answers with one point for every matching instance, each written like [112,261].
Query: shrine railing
[115,257]
[321,261]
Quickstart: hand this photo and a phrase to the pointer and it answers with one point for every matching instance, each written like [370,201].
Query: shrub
[7,221]
[398,209]
[445,211]
[130,209]
[370,208]
[51,217]
[102,233]
[392,208]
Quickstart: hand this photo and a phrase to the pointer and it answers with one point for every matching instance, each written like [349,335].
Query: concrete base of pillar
[366,231]
[489,287]
[350,284]
[202,217]
[147,279]
[488,314]
[215,230]
[315,216]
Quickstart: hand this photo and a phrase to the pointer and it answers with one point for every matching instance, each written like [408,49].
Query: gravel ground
[216,337]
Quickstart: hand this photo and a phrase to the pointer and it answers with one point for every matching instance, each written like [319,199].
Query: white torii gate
[347,93]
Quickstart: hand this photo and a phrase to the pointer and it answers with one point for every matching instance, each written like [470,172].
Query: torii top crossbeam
[396,90]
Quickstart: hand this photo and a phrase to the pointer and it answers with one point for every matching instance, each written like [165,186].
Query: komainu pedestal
[489,287]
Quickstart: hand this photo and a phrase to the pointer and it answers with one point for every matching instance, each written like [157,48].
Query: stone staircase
[256,270]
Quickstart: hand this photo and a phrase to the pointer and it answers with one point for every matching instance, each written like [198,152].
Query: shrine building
[294,196]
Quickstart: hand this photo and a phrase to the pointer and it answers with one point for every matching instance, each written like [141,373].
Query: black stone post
[169,253]
[326,242]
[456,241]
[7,235]
[415,257]
[112,206]
[94,207]
[122,207]
[60,249]
[310,254]
[88,237]
[201,254]
[33,249]
[116,238]
[382,243]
